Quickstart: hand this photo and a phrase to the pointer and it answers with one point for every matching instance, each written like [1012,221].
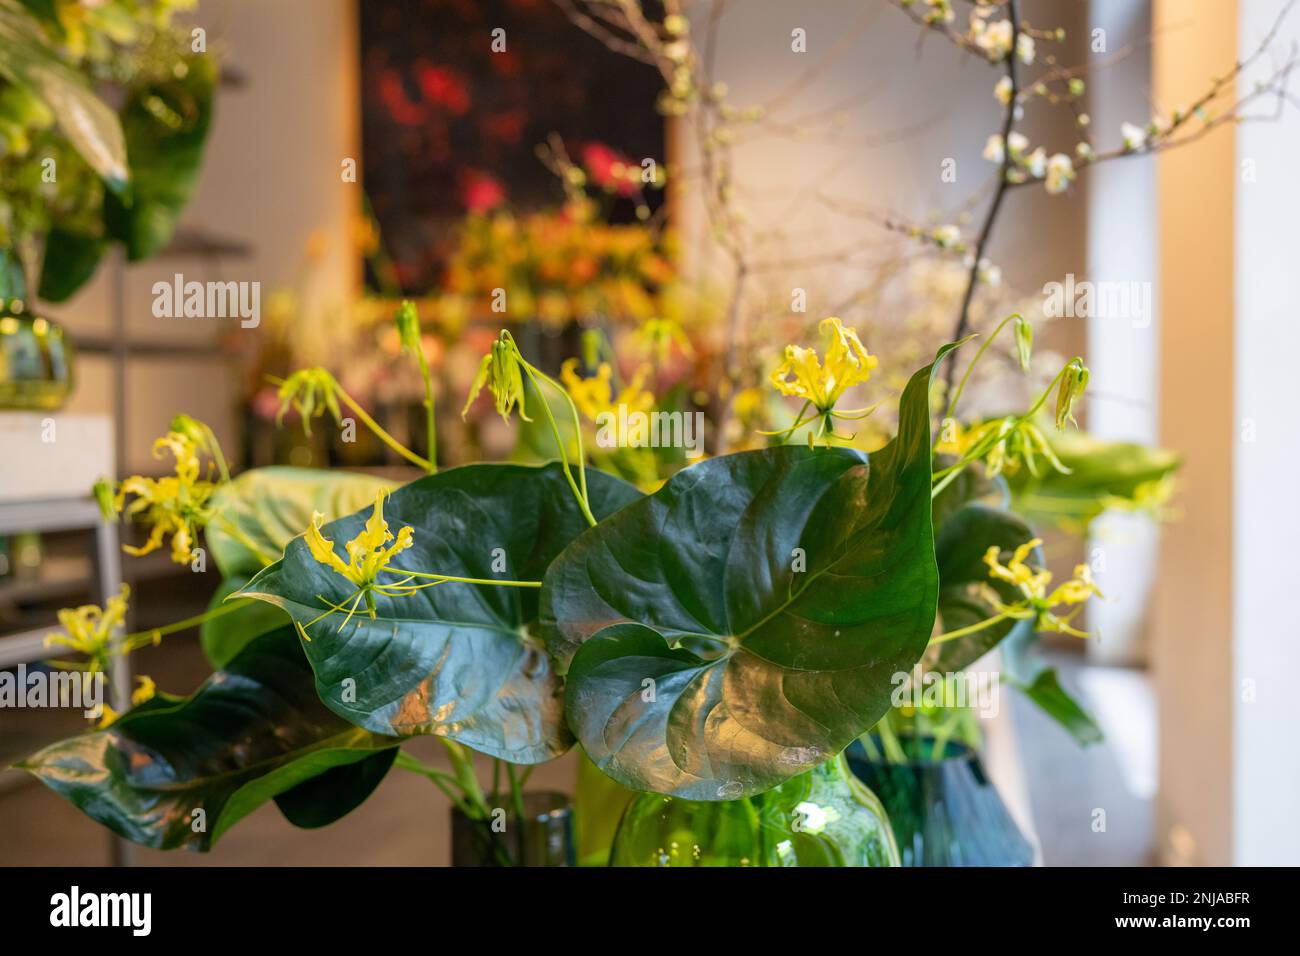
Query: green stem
[430,413]
[450,577]
[516,795]
[579,490]
[964,631]
[462,763]
[422,463]
[889,740]
[442,781]
[142,638]
[952,405]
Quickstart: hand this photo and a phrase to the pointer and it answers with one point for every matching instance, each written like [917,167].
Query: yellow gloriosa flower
[801,374]
[368,553]
[1004,444]
[658,336]
[595,396]
[145,692]
[89,629]
[174,505]
[1037,603]
[311,392]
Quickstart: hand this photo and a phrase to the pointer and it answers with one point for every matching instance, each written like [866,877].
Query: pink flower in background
[443,87]
[608,168]
[480,191]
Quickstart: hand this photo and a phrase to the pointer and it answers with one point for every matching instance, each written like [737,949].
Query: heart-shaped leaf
[744,623]
[457,660]
[271,506]
[180,772]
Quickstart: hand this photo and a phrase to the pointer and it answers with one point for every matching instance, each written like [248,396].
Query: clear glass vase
[945,812]
[825,817]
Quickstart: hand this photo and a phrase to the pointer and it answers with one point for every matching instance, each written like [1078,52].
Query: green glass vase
[825,817]
[35,360]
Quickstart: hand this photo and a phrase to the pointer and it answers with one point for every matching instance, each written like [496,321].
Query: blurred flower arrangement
[69,189]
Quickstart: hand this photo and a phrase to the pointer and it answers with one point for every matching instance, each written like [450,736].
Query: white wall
[1122,353]
[1266,458]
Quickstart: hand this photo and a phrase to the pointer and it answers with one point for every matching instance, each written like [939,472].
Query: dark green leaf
[1046,691]
[272,506]
[457,660]
[252,732]
[965,526]
[701,662]
[166,126]
[224,637]
[71,259]
[322,800]
[13,285]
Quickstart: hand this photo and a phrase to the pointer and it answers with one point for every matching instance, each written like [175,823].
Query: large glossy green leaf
[272,506]
[253,731]
[166,126]
[704,657]
[457,660]
[1100,473]
[92,128]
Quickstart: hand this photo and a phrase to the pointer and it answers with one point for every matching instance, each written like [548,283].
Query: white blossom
[1060,173]
[1133,137]
[946,237]
[993,150]
[1002,92]
[1025,48]
[1036,163]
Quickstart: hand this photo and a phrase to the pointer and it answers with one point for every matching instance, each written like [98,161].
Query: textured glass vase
[946,812]
[545,837]
[35,360]
[825,817]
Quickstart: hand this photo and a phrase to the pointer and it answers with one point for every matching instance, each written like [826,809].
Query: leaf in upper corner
[252,732]
[165,123]
[457,660]
[93,129]
[745,623]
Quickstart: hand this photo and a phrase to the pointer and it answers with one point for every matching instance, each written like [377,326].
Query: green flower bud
[408,326]
[1073,382]
[1024,333]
